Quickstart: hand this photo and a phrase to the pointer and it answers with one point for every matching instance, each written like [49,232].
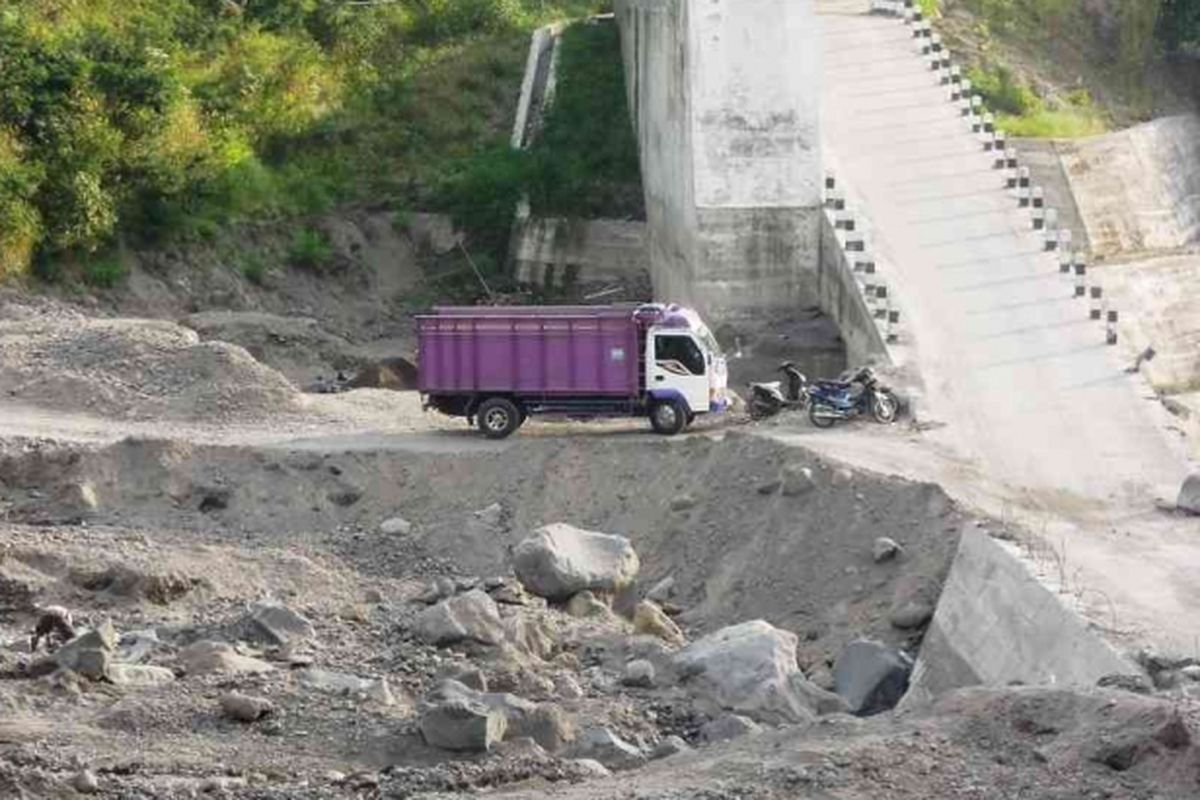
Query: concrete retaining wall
[1138,189]
[996,624]
[842,300]
[1044,159]
[724,102]
[556,252]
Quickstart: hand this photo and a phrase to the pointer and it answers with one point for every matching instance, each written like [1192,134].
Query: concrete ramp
[1010,358]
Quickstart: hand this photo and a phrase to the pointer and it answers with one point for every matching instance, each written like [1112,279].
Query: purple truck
[497,366]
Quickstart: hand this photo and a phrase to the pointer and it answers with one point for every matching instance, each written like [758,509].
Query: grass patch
[1071,123]
[585,163]
[254,269]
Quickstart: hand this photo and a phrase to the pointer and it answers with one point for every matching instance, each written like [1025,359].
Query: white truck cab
[684,363]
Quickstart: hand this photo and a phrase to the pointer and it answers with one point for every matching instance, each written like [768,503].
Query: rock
[639,673]
[395,526]
[729,726]
[911,614]
[748,668]
[277,624]
[566,687]
[796,480]
[545,724]
[885,549]
[823,701]
[130,583]
[340,682]
[93,664]
[601,744]
[245,708]
[590,767]
[586,605]
[669,747]
[468,617]
[520,747]
[510,593]
[559,561]
[821,676]
[913,602]
[1191,672]
[209,657]
[139,675]
[770,486]
[89,653]
[842,477]
[85,782]
[1167,679]
[650,620]
[532,635]
[683,502]
[1138,684]
[662,590]
[467,675]
[334,776]
[871,677]
[438,589]
[1189,495]
[136,646]
[453,718]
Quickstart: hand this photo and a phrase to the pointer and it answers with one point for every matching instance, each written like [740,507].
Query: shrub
[310,249]
[254,269]
[103,273]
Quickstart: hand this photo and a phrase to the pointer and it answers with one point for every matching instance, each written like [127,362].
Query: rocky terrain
[255,596]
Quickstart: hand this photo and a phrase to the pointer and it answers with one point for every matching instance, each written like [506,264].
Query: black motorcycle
[769,398]
[861,394]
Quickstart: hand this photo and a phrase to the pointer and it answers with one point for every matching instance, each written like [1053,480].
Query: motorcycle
[860,394]
[769,398]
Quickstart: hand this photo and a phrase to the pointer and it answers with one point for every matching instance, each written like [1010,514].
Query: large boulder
[209,657]
[750,669]
[544,723]
[651,620]
[604,746]
[89,653]
[871,677]
[1189,495]
[276,624]
[455,718]
[560,560]
[468,617]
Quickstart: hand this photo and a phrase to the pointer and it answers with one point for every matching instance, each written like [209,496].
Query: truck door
[679,365]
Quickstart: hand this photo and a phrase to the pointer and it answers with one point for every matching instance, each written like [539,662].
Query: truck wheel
[498,417]
[668,417]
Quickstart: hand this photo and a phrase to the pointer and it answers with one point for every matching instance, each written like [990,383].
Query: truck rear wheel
[668,417]
[498,417]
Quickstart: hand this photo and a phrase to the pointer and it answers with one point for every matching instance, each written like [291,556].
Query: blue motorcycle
[862,394]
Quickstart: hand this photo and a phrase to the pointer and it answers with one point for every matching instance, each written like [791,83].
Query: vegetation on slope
[139,119]
[1063,68]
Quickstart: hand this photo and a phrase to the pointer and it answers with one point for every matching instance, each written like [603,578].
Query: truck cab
[685,371]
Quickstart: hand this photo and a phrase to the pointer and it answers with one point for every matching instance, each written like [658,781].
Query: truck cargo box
[530,350]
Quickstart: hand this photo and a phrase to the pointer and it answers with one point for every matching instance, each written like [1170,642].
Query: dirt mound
[714,517]
[136,369]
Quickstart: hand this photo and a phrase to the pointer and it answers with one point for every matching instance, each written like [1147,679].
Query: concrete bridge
[743,106]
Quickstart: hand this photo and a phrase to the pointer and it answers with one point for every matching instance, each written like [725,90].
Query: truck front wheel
[498,417]
[668,417]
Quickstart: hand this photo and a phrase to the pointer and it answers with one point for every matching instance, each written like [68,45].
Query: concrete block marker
[1064,240]
[1096,302]
[997,624]
[1039,217]
[1080,278]
[1065,257]
[864,264]
[843,220]
[1110,328]
[1050,225]
[1038,197]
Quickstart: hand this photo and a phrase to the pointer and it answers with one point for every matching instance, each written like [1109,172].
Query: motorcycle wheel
[817,419]
[883,407]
